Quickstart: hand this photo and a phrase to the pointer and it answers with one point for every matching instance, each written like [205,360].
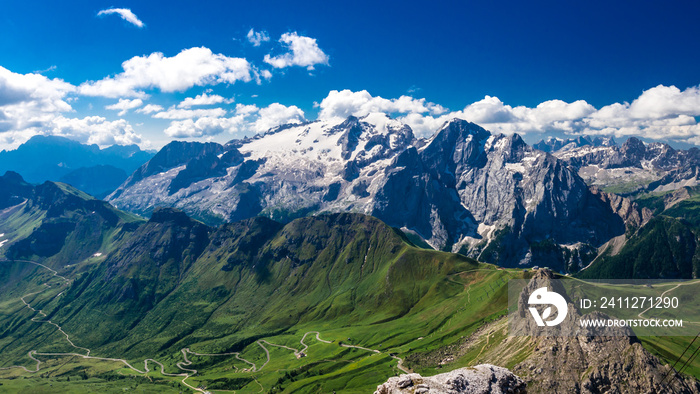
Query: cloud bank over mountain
[145,89]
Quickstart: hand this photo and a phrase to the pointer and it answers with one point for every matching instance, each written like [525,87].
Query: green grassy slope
[665,247]
[59,225]
[239,303]
[176,284]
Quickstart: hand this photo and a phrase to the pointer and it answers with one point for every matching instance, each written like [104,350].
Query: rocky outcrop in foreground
[484,378]
[570,359]
[564,358]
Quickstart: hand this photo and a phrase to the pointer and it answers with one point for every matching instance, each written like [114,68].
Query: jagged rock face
[490,196]
[475,188]
[598,365]
[411,197]
[481,379]
[655,166]
[172,155]
[629,211]
[208,165]
[675,197]
[633,153]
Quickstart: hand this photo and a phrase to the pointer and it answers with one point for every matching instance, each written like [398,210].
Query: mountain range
[331,302]
[490,197]
[634,167]
[91,169]
[553,144]
[332,255]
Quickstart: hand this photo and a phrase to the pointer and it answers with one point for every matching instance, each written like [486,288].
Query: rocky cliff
[481,379]
[491,197]
[635,166]
[570,358]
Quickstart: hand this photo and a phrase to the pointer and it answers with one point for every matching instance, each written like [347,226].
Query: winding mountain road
[666,292]
[182,365]
[318,338]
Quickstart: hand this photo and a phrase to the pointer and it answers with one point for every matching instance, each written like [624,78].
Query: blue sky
[536,68]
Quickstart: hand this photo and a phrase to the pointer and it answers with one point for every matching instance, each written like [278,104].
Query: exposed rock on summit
[592,360]
[481,379]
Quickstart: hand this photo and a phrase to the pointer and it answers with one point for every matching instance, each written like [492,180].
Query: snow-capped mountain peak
[462,189]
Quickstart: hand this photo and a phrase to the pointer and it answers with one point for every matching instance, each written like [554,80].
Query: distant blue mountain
[99,180]
[87,167]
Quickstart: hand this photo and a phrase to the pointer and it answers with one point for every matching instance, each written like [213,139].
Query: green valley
[334,302]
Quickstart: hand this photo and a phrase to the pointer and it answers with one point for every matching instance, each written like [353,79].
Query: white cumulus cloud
[150,108]
[245,119]
[341,104]
[201,127]
[95,130]
[489,110]
[28,104]
[303,52]
[276,115]
[178,113]
[666,101]
[44,94]
[246,109]
[31,104]
[125,13]
[257,38]
[191,67]
[124,105]
[660,113]
[265,74]
[203,99]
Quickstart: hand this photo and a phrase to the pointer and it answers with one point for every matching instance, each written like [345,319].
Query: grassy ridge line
[377,289]
[305,335]
[443,302]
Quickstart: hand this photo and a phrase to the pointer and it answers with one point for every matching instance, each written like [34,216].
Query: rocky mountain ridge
[491,197]
[635,165]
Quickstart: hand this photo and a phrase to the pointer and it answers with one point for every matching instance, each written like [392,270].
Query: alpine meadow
[376,197]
